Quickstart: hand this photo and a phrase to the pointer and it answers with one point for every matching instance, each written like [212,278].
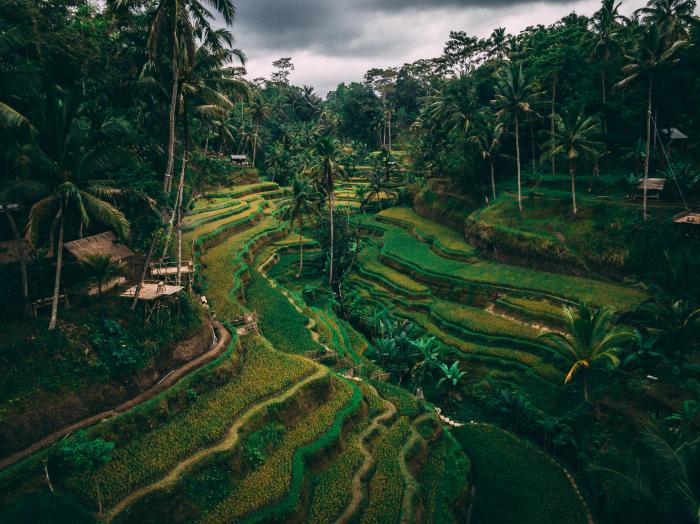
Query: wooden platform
[152,291]
[168,271]
[687,218]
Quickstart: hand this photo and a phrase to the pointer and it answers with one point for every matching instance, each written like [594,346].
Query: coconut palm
[181,23]
[654,55]
[497,44]
[672,17]
[606,45]
[326,167]
[592,338]
[258,111]
[574,138]
[513,99]
[102,269]
[487,137]
[70,153]
[303,201]
[658,480]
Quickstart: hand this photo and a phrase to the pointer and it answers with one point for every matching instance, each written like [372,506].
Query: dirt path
[358,480]
[224,337]
[228,442]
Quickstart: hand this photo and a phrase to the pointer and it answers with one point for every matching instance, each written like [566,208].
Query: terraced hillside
[270,431]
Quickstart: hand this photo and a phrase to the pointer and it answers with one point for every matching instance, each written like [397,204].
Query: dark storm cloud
[332,41]
[336,27]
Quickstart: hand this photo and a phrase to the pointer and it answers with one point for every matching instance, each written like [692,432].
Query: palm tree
[657,481]
[258,111]
[326,168]
[497,44]
[654,55]
[672,17]
[102,269]
[72,152]
[303,201]
[487,137]
[181,23]
[593,338]
[606,45]
[574,138]
[513,98]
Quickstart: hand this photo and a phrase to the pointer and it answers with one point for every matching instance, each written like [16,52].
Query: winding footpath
[224,337]
[228,442]
[360,477]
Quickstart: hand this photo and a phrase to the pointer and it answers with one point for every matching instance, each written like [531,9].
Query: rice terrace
[350,262]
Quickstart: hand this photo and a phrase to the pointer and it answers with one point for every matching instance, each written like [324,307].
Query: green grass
[191,222]
[420,261]
[516,482]
[600,233]
[444,480]
[368,265]
[386,487]
[278,320]
[154,450]
[241,191]
[277,481]
[443,238]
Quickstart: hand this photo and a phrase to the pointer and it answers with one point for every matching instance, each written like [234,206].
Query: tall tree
[513,99]
[592,338]
[654,55]
[575,138]
[302,202]
[326,168]
[606,45]
[180,23]
[488,137]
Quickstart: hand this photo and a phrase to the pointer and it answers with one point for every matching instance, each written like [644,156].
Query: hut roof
[102,244]
[673,133]
[239,157]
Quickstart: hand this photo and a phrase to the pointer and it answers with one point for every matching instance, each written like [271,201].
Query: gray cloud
[337,40]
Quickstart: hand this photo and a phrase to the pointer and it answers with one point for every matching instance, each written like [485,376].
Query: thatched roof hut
[102,244]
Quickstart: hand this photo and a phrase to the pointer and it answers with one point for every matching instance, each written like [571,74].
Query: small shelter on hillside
[156,297]
[654,186]
[102,244]
[240,160]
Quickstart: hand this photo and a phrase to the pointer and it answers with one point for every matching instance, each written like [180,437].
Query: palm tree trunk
[493,179]
[206,145]
[301,247]
[59,263]
[389,131]
[22,258]
[517,162]
[331,205]
[167,182]
[602,85]
[551,121]
[648,157]
[255,142]
[572,172]
[585,384]
[532,144]
[179,216]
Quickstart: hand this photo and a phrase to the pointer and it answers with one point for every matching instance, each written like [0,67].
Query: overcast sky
[333,41]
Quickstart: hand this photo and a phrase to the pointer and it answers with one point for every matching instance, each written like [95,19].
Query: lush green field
[419,259]
[516,482]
